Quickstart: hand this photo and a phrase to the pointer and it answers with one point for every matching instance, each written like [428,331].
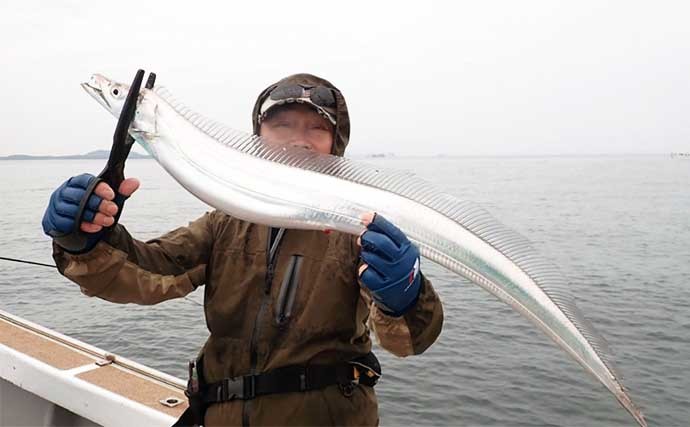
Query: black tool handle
[114,172]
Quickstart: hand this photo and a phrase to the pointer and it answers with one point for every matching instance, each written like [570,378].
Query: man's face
[298,125]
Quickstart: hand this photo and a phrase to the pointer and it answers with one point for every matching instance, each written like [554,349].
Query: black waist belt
[294,379]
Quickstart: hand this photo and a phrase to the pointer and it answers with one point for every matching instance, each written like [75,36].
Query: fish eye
[115,91]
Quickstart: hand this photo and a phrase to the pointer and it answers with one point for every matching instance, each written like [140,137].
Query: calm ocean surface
[619,228]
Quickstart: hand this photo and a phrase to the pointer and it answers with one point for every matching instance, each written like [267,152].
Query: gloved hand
[100,211]
[391,266]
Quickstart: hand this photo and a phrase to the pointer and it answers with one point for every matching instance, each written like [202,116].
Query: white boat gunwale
[89,382]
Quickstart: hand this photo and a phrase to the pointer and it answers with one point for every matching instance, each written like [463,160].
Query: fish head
[109,93]
[112,96]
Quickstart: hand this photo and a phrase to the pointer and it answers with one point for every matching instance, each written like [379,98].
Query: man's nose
[302,143]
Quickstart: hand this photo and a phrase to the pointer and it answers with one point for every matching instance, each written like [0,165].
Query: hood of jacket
[342,127]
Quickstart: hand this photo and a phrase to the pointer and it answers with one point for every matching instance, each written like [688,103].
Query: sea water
[618,228]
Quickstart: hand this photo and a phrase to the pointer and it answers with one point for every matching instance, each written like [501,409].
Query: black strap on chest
[364,370]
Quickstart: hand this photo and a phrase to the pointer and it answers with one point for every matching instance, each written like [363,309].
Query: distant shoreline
[104,154]
[99,154]
[73,157]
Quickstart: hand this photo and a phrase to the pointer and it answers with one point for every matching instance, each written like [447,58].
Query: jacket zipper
[288,290]
[271,252]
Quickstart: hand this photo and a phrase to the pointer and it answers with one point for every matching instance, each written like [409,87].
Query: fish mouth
[93,88]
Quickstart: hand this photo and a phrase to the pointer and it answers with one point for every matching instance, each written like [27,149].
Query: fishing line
[55,266]
[27,262]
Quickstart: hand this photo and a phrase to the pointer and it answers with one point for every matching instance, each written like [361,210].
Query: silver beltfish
[295,188]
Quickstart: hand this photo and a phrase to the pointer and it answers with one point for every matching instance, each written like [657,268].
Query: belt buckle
[230,389]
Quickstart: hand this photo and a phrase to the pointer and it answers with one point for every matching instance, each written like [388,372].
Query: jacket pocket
[288,290]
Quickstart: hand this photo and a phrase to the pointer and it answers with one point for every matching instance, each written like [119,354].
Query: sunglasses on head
[319,95]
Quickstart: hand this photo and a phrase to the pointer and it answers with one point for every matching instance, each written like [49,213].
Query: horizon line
[394,155]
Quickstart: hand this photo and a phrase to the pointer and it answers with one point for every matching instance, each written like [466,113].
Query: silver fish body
[293,188]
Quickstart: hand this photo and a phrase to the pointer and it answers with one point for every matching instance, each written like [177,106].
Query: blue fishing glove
[392,275]
[59,217]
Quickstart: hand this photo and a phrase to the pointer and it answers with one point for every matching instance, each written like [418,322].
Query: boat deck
[84,380]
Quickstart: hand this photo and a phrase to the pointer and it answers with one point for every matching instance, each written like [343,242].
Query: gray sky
[463,78]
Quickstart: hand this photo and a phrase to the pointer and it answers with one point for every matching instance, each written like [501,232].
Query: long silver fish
[294,188]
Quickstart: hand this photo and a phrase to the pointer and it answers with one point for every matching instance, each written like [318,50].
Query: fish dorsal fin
[467,214]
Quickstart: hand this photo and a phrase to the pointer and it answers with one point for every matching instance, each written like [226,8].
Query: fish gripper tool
[114,172]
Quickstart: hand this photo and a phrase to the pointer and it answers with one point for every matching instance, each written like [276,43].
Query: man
[289,311]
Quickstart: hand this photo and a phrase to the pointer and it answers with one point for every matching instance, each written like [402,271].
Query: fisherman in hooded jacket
[313,304]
